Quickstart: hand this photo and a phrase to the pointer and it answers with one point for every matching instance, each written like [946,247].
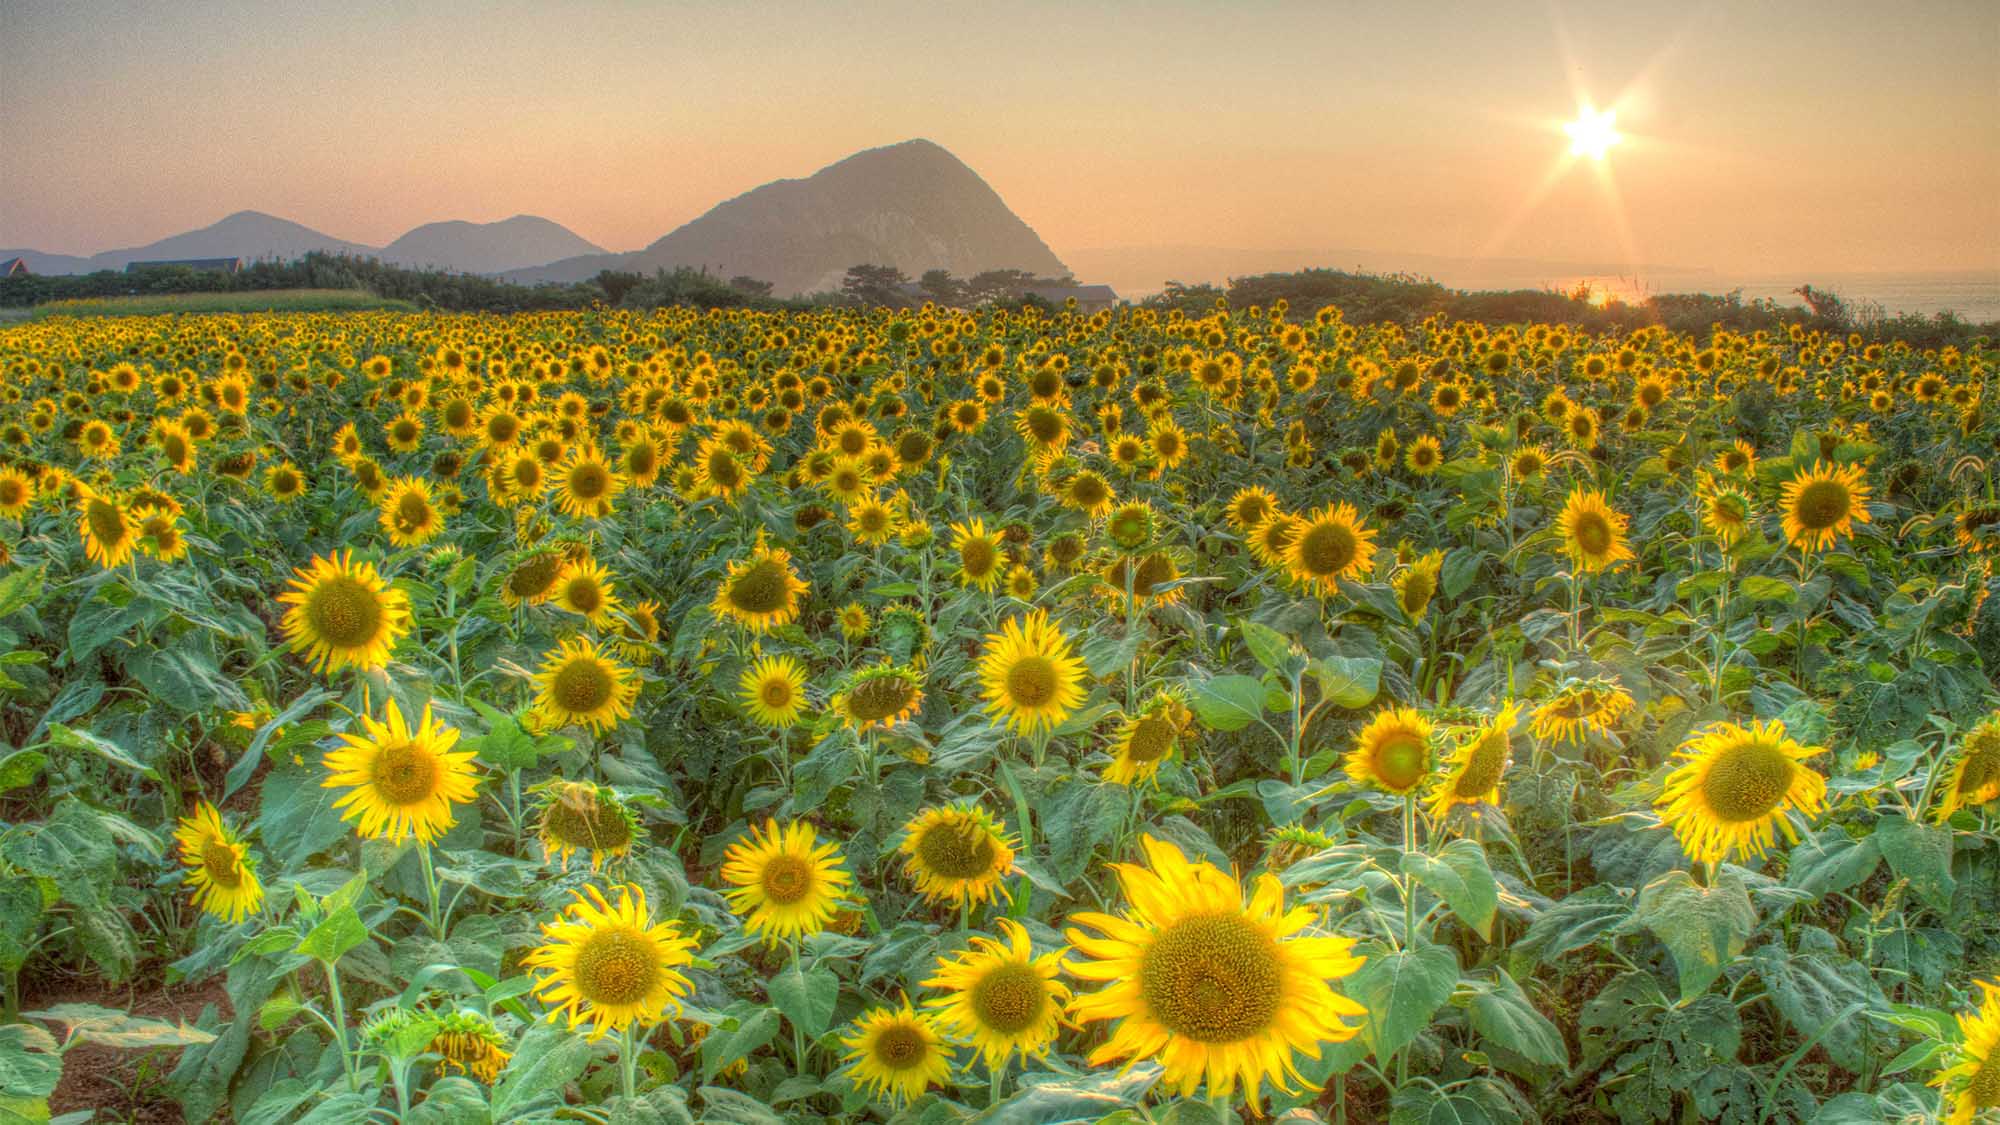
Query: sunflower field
[1014,716]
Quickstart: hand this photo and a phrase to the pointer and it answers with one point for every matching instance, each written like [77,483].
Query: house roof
[1084,294]
[11,266]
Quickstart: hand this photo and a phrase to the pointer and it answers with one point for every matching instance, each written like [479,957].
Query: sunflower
[1208,985]
[1975,773]
[585,589]
[584,816]
[109,535]
[408,512]
[1725,508]
[1528,462]
[979,558]
[1736,786]
[577,683]
[1146,741]
[1392,753]
[611,966]
[1088,492]
[1029,674]
[343,614]
[1418,583]
[532,580]
[871,522]
[220,868]
[1470,775]
[586,485]
[786,883]
[401,781]
[760,593]
[957,854]
[638,632]
[897,1053]
[1250,507]
[1971,1084]
[1822,505]
[1580,708]
[468,1042]
[284,482]
[1593,532]
[1001,997]
[1272,540]
[773,691]
[879,697]
[1330,544]
[17,492]
[159,531]
[1425,455]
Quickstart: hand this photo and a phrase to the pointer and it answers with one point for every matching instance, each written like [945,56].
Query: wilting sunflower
[611,966]
[1029,674]
[582,816]
[1822,505]
[586,485]
[109,535]
[1210,986]
[1593,532]
[1146,741]
[1329,545]
[957,854]
[773,691]
[343,614]
[578,683]
[401,781]
[1975,773]
[980,562]
[1470,775]
[1578,709]
[532,581]
[786,883]
[1418,583]
[468,1042]
[1392,753]
[879,697]
[760,593]
[897,1053]
[1000,996]
[408,512]
[1737,787]
[220,868]
[1971,1084]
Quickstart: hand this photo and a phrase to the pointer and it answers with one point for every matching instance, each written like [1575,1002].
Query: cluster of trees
[871,285]
[1404,299]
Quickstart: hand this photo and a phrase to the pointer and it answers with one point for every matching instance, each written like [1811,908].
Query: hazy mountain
[466,247]
[911,205]
[524,240]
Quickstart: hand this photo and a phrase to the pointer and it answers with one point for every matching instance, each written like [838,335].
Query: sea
[1971,296]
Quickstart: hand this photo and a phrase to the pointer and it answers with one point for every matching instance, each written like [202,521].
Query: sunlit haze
[1749,138]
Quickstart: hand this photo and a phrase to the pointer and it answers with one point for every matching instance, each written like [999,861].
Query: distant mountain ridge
[912,205]
[462,246]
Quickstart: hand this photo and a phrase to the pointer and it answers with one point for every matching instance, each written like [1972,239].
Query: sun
[1592,133]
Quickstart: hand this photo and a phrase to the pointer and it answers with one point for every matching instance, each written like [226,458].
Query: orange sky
[1765,136]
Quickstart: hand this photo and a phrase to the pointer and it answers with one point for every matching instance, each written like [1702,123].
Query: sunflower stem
[628,1061]
[431,915]
[798,1033]
[339,1025]
[997,1074]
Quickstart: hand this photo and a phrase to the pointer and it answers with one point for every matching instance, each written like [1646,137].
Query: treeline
[1404,299]
[426,288]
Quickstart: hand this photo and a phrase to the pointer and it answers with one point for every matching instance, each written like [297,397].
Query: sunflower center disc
[787,879]
[585,596]
[776,692]
[957,850]
[760,588]
[1152,739]
[533,576]
[1747,781]
[616,966]
[1010,998]
[405,775]
[1327,548]
[1482,770]
[900,1048]
[588,482]
[219,860]
[1031,682]
[975,557]
[1823,504]
[107,523]
[344,612]
[1985,1085]
[413,511]
[1214,978]
[878,698]
[1400,761]
[582,686]
[1592,533]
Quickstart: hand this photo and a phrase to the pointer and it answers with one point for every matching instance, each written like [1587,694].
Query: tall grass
[266,300]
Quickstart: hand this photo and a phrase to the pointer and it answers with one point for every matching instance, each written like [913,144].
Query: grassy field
[270,300]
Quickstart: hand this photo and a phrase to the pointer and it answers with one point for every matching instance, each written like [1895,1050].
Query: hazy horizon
[1758,140]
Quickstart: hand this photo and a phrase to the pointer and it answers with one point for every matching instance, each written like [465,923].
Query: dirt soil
[123,1084]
